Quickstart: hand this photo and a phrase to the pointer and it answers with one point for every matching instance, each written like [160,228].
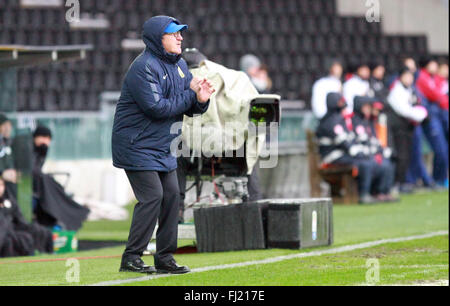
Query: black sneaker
[136,265]
[171,267]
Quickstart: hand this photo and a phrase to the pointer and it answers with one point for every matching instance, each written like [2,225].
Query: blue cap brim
[173,27]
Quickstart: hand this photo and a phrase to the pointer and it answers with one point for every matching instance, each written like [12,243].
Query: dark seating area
[293,37]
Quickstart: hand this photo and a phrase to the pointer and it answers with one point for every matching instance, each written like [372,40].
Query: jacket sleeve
[426,86]
[398,100]
[197,107]
[318,100]
[146,91]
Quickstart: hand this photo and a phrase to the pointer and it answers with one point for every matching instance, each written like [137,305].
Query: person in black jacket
[52,207]
[157,91]
[337,145]
[383,170]
[404,115]
[7,171]
[17,236]
[378,89]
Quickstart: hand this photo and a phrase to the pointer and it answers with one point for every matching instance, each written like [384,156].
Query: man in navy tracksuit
[157,91]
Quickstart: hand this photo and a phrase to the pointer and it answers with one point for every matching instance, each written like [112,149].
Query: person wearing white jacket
[404,114]
[357,85]
[323,86]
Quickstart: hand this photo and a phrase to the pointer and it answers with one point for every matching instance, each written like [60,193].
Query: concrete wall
[429,17]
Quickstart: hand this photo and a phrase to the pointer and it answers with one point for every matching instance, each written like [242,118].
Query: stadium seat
[297,26]
[65,101]
[395,45]
[320,45]
[68,80]
[306,44]
[299,63]
[22,101]
[35,101]
[265,43]
[53,81]
[78,101]
[313,63]
[50,101]
[310,25]
[358,45]
[337,25]
[383,44]
[333,44]
[92,101]
[291,36]
[324,25]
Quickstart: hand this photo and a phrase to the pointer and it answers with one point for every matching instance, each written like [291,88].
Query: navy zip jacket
[155,94]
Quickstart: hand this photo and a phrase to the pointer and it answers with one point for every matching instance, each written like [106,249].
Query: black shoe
[171,267]
[136,265]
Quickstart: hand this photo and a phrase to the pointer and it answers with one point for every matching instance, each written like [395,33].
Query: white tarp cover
[225,125]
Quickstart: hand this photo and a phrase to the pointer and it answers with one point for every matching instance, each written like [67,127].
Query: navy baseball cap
[174,27]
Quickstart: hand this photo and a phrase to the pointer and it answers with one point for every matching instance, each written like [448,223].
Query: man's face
[378,72]
[375,112]
[40,140]
[407,79]
[443,71]
[366,109]
[364,72]
[411,64]
[6,129]
[172,42]
[432,67]
[336,70]
[2,188]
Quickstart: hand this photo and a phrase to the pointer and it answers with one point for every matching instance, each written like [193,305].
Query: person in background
[323,86]
[378,89]
[337,145]
[404,61]
[7,170]
[42,139]
[436,103]
[370,149]
[416,169]
[257,72]
[52,207]
[357,84]
[441,79]
[382,150]
[404,114]
[17,236]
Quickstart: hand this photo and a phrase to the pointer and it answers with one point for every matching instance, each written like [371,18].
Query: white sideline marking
[341,249]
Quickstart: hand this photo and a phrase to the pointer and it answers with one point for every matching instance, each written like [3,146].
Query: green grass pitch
[420,261]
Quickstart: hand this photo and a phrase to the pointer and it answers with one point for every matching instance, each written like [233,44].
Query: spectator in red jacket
[427,85]
[436,104]
[442,86]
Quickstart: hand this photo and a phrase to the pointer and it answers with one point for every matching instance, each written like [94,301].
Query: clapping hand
[202,88]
